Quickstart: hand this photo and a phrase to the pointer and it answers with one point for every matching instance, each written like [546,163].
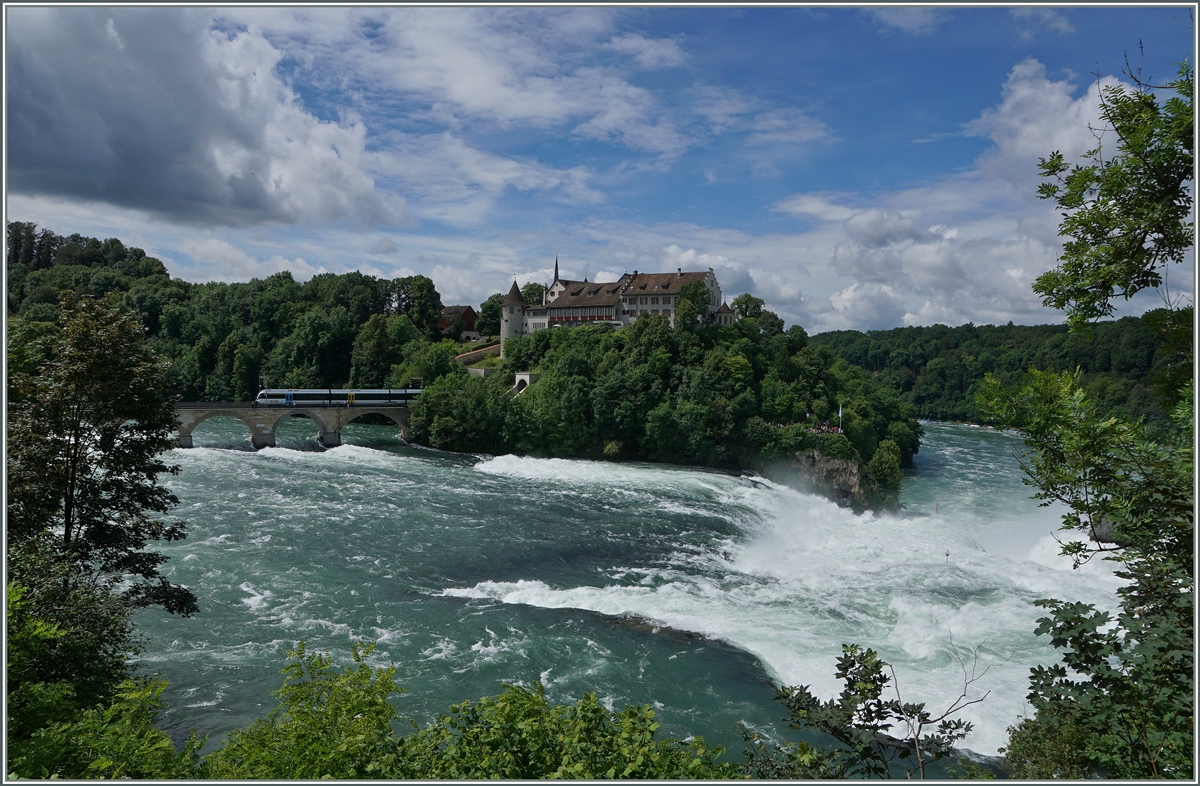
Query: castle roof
[514,296]
[724,309]
[659,283]
[583,294]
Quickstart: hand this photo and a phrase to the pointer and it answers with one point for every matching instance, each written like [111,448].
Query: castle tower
[512,316]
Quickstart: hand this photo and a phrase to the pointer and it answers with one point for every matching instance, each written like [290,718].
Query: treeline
[1129,366]
[224,340]
[734,396]
[719,396]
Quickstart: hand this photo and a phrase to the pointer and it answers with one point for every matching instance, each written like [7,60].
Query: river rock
[810,470]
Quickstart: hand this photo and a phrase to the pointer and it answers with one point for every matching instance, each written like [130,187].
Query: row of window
[633,301]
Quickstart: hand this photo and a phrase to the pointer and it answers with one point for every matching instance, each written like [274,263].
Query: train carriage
[333,397]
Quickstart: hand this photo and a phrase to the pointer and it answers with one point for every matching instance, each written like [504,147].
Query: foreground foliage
[85,436]
[863,721]
[332,724]
[1122,702]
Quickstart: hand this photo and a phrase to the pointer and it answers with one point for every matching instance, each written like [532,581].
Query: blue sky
[855,167]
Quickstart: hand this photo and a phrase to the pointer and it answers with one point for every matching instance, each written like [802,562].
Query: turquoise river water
[692,590]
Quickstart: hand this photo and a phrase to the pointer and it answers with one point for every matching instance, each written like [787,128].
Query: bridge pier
[262,439]
[262,420]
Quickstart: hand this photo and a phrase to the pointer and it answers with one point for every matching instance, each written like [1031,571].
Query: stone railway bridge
[262,421]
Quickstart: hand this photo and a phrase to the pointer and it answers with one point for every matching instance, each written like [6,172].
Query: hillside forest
[732,397]
[737,396]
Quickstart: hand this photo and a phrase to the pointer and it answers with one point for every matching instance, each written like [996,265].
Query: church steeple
[556,267]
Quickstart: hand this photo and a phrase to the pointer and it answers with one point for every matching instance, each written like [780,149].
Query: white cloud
[178,120]
[649,53]
[818,205]
[875,228]
[1035,117]
[218,260]
[862,306]
[454,182]
[1035,20]
[911,20]
[385,246]
[786,126]
[500,68]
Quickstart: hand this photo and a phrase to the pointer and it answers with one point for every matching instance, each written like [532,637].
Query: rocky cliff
[809,470]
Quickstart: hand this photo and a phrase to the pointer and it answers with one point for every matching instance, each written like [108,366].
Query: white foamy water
[696,591]
[810,576]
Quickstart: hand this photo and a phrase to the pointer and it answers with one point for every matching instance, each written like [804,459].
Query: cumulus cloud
[151,109]
[1035,117]
[649,53]
[914,21]
[876,228]
[218,260]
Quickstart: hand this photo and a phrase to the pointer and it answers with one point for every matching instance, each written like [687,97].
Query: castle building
[566,303]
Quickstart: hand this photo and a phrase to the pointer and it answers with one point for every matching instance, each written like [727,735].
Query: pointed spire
[556,267]
[514,296]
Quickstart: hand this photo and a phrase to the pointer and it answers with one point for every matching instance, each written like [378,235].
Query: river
[695,591]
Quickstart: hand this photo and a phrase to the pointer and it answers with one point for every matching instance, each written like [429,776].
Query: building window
[666,301]
[654,302]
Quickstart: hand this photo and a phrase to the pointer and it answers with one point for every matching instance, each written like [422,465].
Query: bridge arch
[264,421]
[399,417]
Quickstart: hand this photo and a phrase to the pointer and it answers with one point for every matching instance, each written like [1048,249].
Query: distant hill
[938,368]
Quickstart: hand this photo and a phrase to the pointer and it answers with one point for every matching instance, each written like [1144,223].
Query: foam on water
[472,570]
[811,576]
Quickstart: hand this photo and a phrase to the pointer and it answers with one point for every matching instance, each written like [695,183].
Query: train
[331,397]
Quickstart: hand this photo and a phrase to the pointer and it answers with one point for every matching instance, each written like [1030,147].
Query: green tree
[66,650]
[884,467]
[379,346]
[328,724]
[747,306]
[488,321]
[1127,217]
[117,741]
[84,462]
[691,305]
[339,724]
[769,323]
[1124,694]
[417,297]
[532,292]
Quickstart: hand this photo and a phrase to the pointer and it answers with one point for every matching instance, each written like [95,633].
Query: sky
[855,167]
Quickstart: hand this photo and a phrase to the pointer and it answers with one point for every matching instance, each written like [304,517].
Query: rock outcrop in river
[810,470]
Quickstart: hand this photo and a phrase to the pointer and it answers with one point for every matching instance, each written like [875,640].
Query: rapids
[693,590]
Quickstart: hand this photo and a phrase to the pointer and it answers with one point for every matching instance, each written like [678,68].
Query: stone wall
[467,358]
